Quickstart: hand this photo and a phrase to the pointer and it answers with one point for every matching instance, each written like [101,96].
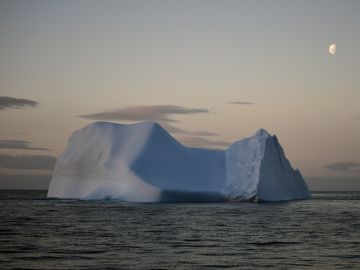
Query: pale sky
[223,69]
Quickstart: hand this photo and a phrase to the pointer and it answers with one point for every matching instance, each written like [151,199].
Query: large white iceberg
[144,163]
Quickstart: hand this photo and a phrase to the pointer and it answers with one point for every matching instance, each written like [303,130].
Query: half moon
[332,49]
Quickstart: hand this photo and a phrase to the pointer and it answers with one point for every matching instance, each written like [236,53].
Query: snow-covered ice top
[144,163]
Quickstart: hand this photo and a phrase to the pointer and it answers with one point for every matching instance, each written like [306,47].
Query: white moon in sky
[332,49]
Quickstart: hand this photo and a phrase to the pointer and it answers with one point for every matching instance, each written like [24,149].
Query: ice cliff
[144,163]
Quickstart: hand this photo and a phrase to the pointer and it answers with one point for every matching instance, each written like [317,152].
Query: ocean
[40,233]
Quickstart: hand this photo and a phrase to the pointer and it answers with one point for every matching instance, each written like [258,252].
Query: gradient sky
[212,71]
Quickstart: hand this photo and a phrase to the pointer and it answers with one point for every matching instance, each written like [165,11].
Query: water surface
[38,233]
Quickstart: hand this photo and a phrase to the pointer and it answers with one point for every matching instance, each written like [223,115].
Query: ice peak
[261,133]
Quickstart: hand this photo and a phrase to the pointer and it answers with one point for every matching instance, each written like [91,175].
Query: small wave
[272,243]
[349,195]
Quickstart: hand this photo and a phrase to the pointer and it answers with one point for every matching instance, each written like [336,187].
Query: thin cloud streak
[194,141]
[19,144]
[345,166]
[175,130]
[241,103]
[356,117]
[161,113]
[27,162]
[16,103]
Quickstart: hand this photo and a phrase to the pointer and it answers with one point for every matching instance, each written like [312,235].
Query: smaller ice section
[257,170]
[144,163]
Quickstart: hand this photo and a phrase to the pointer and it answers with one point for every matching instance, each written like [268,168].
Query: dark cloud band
[347,166]
[18,144]
[194,141]
[27,162]
[175,130]
[16,103]
[241,103]
[160,113]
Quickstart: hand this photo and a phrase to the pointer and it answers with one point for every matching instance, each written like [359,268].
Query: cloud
[16,103]
[202,133]
[175,130]
[27,162]
[18,144]
[194,141]
[356,117]
[160,113]
[241,103]
[25,181]
[346,166]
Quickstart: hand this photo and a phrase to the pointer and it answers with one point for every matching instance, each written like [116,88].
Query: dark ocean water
[37,233]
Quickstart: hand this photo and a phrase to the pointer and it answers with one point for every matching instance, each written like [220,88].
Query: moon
[332,49]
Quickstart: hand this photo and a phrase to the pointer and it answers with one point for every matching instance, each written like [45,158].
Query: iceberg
[143,163]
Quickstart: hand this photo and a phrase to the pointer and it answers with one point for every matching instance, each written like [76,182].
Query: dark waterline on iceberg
[38,233]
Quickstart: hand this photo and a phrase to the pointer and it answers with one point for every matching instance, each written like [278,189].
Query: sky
[211,72]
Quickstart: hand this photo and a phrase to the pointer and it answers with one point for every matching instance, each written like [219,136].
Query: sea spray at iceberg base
[144,163]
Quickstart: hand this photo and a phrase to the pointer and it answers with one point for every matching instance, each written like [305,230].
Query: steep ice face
[243,162]
[278,180]
[144,163]
[97,162]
